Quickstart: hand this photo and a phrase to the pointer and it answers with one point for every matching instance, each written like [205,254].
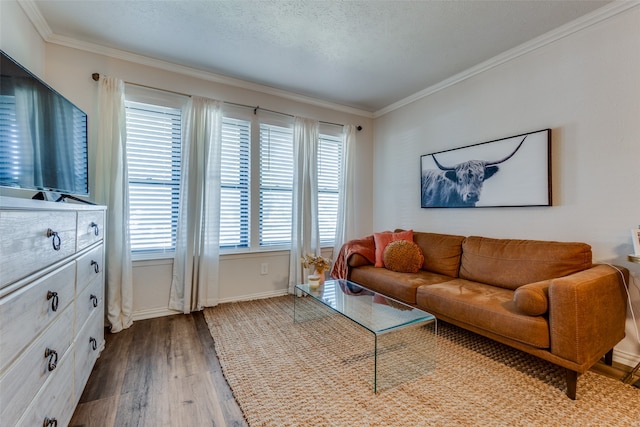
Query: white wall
[586,88]
[19,39]
[68,70]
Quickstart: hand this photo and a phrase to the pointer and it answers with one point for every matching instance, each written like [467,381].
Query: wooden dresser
[51,307]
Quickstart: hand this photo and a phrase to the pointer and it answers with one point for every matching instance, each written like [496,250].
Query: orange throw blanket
[365,247]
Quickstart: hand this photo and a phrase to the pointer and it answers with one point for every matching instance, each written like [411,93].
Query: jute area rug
[302,374]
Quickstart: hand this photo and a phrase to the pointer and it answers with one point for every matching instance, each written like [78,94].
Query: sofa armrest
[587,312]
[357,260]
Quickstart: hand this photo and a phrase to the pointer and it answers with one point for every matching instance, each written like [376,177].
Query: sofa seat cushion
[484,306]
[510,263]
[401,286]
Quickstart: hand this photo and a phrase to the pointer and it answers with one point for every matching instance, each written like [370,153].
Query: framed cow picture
[513,171]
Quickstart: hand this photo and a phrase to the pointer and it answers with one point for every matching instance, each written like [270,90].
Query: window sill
[230,253]
[150,256]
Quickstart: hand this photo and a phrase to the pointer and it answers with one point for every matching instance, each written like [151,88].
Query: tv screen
[43,136]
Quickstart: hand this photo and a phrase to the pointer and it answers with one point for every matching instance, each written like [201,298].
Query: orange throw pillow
[381,241]
[403,256]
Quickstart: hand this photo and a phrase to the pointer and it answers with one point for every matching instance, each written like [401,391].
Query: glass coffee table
[404,337]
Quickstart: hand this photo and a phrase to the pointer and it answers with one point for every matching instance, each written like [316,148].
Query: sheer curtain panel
[195,266]
[111,189]
[305,233]
[346,221]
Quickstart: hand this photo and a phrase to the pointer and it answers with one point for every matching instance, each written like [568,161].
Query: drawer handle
[52,355]
[94,343]
[96,229]
[50,422]
[56,239]
[94,300]
[54,297]
[96,266]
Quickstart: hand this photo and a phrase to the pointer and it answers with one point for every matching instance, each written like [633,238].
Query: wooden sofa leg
[608,358]
[572,383]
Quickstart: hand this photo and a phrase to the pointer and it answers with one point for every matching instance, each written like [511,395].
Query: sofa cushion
[403,256]
[401,286]
[485,307]
[512,263]
[384,238]
[533,299]
[441,252]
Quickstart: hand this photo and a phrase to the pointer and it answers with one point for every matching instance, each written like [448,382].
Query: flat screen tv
[43,136]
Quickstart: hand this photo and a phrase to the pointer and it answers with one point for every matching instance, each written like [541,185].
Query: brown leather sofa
[545,298]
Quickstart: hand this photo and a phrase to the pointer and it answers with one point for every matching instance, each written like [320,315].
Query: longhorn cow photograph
[513,171]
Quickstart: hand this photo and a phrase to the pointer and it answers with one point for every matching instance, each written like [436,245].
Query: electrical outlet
[264,268]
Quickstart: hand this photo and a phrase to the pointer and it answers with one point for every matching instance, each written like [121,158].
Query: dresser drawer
[88,345]
[90,228]
[21,382]
[28,240]
[89,267]
[54,401]
[90,300]
[29,310]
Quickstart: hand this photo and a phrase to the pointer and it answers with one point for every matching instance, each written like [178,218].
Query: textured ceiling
[362,54]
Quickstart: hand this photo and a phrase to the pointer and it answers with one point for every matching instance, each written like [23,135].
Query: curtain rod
[96,77]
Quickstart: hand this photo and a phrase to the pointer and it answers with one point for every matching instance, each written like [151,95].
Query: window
[276,189]
[153,160]
[235,179]
[10,151]
[276,174]
[255,197]
[329,161]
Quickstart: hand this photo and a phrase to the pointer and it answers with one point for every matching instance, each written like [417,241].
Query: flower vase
[320,274]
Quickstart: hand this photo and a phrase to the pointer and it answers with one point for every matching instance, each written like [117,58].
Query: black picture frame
[507,172]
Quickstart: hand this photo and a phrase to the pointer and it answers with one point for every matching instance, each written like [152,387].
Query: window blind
[235,179]
[153,160]
[276,176]
[10,148]
[329,161]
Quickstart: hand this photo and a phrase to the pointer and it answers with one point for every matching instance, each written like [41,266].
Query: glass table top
[373,311]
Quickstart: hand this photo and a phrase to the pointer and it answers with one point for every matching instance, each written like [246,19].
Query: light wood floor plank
[108,373]
[159,372]
[100,412]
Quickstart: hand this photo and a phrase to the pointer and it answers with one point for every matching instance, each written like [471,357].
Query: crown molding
[203,75]
[33,13]
[559,33]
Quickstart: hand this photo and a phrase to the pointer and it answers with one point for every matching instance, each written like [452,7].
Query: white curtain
[195,266]
[346,221]
[112,189]
[305,233]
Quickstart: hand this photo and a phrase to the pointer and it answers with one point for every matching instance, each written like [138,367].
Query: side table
[629,375]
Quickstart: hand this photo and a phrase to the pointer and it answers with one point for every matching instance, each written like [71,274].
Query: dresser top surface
[16,203]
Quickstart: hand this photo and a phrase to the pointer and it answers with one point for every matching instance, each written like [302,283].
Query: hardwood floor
[159,372]
[164,372]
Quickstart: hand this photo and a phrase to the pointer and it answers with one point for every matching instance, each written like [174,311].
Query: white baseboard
[625,358]
[166,311]
[153,312]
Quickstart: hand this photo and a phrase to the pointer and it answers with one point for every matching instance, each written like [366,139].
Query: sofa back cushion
[510,263]
[441,252]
